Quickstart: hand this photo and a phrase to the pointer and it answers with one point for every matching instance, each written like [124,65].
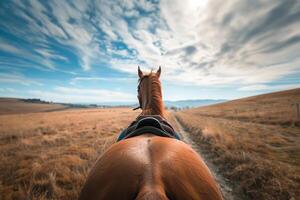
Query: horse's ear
[140,72]
[158,71]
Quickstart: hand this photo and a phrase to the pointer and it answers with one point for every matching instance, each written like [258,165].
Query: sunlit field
[255,142]
[48,155]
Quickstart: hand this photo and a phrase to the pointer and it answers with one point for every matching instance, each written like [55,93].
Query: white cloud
[105,26]
[18,79]
[196,42]
[79,95]
[26,55]
[7,90]
[209,29]
[50,54]
[76,80]
[145,5]
[65,23]
[269,87]
[10,48]
[254,87]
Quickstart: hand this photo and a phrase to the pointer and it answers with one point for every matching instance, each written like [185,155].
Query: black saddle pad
[154,124]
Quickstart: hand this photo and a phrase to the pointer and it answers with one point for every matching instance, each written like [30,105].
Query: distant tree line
[174,108]
[33,100]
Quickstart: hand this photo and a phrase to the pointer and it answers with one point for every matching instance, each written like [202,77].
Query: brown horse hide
[149,167]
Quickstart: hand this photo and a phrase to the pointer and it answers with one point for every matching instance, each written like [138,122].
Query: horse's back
[150,167]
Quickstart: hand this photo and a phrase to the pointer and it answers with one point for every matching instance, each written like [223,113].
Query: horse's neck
[153,111]
[154,103]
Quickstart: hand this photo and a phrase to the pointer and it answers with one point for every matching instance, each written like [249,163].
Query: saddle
[154,124]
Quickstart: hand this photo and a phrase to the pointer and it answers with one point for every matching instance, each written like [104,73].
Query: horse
[148,166]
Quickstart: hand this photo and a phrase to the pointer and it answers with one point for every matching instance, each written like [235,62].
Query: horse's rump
[150,167]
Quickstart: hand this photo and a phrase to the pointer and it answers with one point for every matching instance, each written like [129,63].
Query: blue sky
[88,51]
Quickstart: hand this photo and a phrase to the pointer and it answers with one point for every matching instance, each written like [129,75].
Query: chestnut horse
[149,167]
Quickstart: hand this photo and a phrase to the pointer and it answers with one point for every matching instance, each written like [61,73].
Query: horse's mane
[156,106]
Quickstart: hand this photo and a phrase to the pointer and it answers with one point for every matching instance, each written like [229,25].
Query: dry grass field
[17,106]
[47,155]
[279,108]
[255,142]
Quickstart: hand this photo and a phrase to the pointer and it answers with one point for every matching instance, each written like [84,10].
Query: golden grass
[261,156]
[48,155]
[276,108]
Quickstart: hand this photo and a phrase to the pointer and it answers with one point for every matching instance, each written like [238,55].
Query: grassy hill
[255,141]
[17,106]
[275,108]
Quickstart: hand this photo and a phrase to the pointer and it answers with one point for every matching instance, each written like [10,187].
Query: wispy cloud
[80,95]
[102,79]
[11,49]
[17,78]
[209,36]
[198,43]
[269,87]
[236,35]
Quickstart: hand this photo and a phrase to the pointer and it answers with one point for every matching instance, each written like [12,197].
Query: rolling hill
[254,142]
[273,108]
[17,106]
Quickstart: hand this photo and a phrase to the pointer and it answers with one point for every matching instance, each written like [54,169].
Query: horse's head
[156,74]
[149,93]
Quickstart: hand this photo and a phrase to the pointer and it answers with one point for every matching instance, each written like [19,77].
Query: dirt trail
[223,183]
